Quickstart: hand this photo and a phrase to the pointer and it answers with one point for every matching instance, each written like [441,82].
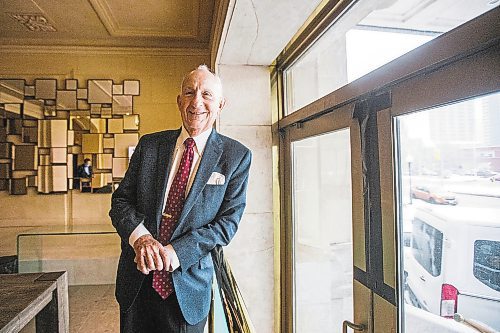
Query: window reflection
[369,35]
[449,162]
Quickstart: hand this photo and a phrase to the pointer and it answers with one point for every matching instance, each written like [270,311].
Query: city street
[470,191]
[466,200]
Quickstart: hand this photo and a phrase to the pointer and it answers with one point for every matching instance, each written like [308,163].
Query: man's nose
[197,100]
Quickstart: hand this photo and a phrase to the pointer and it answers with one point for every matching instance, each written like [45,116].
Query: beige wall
[247,118]
[160,76]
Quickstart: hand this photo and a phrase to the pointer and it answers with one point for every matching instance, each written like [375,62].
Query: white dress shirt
[200,143]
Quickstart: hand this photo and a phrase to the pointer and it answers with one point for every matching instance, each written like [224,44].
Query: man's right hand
[150,255]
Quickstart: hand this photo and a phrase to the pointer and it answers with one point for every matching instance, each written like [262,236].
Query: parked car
[485,173]
[442,198]
[453,263]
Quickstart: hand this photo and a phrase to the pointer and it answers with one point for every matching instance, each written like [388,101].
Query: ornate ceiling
[109,23]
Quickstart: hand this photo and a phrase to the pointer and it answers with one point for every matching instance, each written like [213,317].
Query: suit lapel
[210,158]
[166,147]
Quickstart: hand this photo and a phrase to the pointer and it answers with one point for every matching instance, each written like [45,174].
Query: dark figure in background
[183,194]
[85,170]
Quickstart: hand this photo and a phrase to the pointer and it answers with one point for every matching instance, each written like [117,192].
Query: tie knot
[189,143]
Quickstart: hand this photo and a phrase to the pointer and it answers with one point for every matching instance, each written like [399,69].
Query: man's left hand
[150,255]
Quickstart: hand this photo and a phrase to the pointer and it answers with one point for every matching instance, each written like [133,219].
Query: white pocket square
[216,179]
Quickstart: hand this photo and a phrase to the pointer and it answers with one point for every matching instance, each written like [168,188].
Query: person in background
[183,195]
[85,170]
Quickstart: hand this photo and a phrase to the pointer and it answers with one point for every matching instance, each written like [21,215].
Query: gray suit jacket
[210,216]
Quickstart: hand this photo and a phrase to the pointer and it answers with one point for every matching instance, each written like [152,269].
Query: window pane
[427,244]
[449,167]
[323,266]
[370,34]
[487,263]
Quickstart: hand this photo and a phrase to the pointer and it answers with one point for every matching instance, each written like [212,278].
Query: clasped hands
[151,255]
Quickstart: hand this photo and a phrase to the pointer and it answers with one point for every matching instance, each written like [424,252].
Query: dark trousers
[151,314]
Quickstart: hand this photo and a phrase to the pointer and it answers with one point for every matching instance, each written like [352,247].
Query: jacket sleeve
[197,243]
[124,214]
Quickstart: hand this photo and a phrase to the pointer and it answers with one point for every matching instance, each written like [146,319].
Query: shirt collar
[200,140]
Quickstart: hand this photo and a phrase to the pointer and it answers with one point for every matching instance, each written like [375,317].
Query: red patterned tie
[162,280]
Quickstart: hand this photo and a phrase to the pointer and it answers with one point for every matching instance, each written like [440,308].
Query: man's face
[200,101]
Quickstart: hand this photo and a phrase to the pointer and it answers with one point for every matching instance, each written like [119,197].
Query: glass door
[322,231]
[323,195]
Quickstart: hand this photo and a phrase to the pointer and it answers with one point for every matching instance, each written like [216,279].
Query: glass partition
[89,253]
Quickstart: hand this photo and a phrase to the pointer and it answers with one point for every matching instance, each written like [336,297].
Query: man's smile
[197,114]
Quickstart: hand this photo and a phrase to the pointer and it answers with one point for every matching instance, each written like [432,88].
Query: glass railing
[89,253]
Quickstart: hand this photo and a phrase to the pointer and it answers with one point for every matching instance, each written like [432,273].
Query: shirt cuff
[174,260]
[139,231]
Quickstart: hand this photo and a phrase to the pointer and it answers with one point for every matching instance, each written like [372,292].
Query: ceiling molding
[106,16]
[220,22]
[96,50]
[33,22]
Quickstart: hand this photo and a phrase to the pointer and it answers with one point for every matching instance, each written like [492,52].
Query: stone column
[247,118]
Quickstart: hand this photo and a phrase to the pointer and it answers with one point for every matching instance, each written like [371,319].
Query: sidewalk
[476,189]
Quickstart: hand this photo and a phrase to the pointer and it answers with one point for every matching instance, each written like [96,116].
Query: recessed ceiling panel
[158,18]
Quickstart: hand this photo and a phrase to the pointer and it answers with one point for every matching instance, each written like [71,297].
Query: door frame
[340,119]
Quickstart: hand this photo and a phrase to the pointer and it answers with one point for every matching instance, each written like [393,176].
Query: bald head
[200,100]
[204,68]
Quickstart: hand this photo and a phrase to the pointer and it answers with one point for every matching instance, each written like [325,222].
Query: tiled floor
[93,309]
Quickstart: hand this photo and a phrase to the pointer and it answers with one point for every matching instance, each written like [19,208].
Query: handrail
[227,297]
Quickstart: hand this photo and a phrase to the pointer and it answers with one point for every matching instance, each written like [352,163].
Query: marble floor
[93,309]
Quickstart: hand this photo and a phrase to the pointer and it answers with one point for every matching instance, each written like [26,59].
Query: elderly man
[183,194]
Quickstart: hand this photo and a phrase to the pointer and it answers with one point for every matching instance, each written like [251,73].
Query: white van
[453,264]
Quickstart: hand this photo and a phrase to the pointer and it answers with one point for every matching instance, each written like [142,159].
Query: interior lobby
[317,97]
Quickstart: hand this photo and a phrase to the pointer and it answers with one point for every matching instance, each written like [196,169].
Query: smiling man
[183,194]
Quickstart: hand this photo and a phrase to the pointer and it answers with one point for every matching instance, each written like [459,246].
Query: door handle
[356,327]
[422,278]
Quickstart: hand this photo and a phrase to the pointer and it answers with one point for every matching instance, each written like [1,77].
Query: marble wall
[247,118]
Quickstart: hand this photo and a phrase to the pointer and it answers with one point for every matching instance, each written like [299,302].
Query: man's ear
[222,103]
[179,101]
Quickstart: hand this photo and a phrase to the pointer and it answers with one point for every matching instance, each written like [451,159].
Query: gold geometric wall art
[98,125]
[123,142]
[105,161]
[100,91]
[92,143]
[115,126]
[131,122]
[11,91]
[45,89]
[58,155]
[46,132]
[119,166]
[24,157]
[66,100]
[109,143]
